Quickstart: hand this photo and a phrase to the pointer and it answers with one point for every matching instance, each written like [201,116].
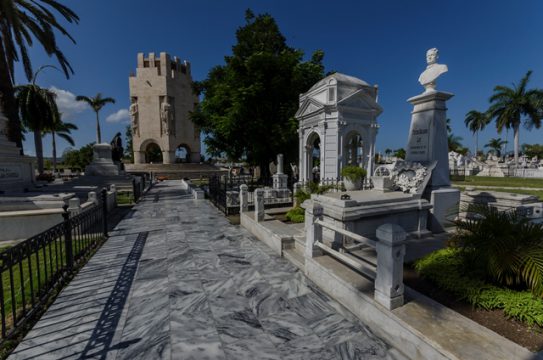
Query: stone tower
[161,98]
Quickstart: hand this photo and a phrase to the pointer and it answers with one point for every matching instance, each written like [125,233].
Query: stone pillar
[313,232]
[297,187]
[168,157]
[139,157]
[74,206]
[390,254]
[428,143]
[259,204]
[428,134]
[243,198]
[92,198]
[280,179]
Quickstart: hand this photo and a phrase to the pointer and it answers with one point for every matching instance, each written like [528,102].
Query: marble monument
[161,99]
[16,170]
[427,142]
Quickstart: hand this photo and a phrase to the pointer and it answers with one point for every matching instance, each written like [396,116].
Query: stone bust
[433,70]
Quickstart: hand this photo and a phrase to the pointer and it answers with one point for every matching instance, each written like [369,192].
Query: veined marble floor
[176,281]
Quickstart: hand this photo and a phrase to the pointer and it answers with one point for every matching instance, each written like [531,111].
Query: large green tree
[510,105]
[38,111]
[23,22]
[250,101]
[476,121]
[96,103]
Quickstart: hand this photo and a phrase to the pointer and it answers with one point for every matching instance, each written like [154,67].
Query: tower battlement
[164,64]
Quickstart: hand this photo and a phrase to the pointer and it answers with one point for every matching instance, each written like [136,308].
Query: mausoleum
[337,126]
[161,99]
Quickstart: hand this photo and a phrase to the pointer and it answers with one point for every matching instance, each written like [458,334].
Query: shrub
[296,215]
[447,269]
[505,247]
[353,173]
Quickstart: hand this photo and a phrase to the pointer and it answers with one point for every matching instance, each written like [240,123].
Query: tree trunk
[476,143]
[39,150]
[54,154]
[9,104]
[98,134]
[516,142]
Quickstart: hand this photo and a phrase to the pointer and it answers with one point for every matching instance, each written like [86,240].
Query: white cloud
[121,116]
[67,104]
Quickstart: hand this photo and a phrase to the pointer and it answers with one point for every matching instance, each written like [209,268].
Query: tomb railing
[389,245]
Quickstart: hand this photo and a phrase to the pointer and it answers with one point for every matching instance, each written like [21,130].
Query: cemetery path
[176,281]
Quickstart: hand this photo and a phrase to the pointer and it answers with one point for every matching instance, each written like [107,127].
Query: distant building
[161,98]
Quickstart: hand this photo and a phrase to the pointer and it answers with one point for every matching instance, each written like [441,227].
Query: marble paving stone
[249,349]
[203,289]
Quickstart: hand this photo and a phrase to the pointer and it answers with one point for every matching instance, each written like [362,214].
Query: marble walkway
[176,281]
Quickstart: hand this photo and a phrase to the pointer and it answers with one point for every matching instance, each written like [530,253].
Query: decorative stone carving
[133,111]
[409,176]
[166,115]
[433,71]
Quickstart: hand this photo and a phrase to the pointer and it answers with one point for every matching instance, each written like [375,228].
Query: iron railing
[222,191]
[34,269]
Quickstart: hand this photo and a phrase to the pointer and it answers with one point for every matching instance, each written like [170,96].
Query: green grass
[50,258]
[501,182]
[538,193]
[446,269]
[125,198]
[296,215]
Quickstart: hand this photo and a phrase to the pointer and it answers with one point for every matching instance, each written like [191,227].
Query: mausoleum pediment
[360,100]
[309,106]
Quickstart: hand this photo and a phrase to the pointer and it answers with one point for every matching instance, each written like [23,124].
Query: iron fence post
[68,238]
[134,190]
[104,210]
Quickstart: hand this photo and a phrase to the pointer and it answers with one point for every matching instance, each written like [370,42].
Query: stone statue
[166,115]
[117,148]
[133,111]
[294,168]
[433,70]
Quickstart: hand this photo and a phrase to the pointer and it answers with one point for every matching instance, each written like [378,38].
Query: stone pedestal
[102,164]
[16,170]
[280,179]
[446,203]
[428,134]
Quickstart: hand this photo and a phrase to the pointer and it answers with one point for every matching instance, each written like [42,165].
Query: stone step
[295,257]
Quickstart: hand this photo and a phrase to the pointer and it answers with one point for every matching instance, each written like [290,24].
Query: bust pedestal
[428,142]
[102,164]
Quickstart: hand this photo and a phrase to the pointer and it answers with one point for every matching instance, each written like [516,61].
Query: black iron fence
[223,191]
[34,269]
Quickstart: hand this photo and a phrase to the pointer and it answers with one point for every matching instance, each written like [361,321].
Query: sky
[484,43]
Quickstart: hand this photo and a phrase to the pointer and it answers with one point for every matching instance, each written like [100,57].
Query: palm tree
[62,130]
[96,103]
[454,143]
[22,22]
[496,145]
[509,105]
[476,121]
[38,111]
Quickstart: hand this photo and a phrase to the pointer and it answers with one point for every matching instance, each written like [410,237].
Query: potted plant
[352,177]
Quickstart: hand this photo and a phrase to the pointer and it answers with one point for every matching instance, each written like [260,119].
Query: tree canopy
[250,101]
[22,23]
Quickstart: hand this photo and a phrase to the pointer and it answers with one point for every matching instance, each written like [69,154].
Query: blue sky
[483,42]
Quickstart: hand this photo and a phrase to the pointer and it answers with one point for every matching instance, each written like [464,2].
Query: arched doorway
[153,154]
[313,157]
[354,149]
[182,154]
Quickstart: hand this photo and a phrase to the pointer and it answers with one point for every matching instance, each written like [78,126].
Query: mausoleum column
[139,157]
[168,157]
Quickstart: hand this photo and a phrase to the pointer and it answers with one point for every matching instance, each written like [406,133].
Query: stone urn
[352,185]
